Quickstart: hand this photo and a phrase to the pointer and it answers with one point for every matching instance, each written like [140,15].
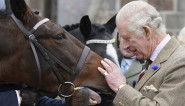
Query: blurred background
[69,12]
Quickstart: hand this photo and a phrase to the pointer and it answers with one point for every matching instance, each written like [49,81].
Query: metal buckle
[31,37]
[63,94]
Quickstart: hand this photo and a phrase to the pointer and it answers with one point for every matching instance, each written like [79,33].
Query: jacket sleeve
[8,98]
[46,101]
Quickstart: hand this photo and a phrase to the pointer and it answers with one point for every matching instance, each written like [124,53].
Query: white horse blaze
[110,50]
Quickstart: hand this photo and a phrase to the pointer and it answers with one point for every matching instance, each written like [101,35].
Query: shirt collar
[129,61]
[160,47]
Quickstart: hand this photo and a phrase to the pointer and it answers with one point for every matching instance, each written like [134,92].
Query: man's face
[139,45]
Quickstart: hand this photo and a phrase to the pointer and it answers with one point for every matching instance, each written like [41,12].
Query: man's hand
[113,74]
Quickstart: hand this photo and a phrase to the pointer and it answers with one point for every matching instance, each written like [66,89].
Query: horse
[37,52]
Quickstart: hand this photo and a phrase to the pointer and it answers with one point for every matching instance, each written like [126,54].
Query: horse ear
[111,24]
[85,25]
[19,8]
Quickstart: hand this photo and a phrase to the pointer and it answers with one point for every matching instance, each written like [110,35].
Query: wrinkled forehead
[122,27]
[2,5]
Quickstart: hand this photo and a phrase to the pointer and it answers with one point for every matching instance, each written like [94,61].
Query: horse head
[98,37]
[58,53]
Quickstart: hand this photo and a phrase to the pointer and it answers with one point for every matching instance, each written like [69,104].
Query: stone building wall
[36,5]
[172,11]
[99,11]
[71,11]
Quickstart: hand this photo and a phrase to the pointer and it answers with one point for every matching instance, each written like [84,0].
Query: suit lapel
[163,56]
[147,75]
[134,69]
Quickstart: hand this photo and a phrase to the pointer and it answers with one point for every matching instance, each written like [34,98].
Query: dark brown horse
[54,47]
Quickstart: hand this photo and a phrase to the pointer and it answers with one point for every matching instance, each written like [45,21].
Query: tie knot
[123,62]
[146,65]
[148,61]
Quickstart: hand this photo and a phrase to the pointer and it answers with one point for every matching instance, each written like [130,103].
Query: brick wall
[172,11]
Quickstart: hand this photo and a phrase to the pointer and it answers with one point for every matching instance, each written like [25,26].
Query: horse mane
[71,27]
[3,14]
[99,28]
[95,28]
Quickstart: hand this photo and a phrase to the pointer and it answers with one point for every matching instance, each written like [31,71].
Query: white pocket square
[150,88]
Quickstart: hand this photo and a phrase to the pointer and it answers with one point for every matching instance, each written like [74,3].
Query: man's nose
[126,44]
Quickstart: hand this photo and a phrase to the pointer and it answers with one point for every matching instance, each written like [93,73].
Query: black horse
[99,38]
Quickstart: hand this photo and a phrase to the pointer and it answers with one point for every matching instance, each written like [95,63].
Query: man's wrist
[121,86]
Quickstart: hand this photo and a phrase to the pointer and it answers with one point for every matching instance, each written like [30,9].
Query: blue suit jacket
[8,98]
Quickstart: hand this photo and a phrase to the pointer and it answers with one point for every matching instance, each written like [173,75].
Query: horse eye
[60,37]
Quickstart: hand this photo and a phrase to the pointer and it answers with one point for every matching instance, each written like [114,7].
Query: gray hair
[181,37]
[138,14]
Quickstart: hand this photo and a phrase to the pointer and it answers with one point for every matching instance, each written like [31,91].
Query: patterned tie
[123,66]
[144,68]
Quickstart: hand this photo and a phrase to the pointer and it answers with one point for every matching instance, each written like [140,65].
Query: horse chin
[81,97]
[96,86]
[100,90]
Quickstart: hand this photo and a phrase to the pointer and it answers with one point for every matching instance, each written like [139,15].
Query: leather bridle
[92,41]
[50,58]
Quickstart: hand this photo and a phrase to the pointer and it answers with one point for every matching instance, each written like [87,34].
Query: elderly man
[163,82]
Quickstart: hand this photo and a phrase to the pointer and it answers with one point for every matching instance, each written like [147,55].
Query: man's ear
[147,31]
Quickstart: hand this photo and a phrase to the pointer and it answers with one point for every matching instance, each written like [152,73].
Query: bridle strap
[21,26]
[39,24]
[100,41]
[26,33]
[48,58]
[37,62]
[78,68]
[48,55]
[81,61]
